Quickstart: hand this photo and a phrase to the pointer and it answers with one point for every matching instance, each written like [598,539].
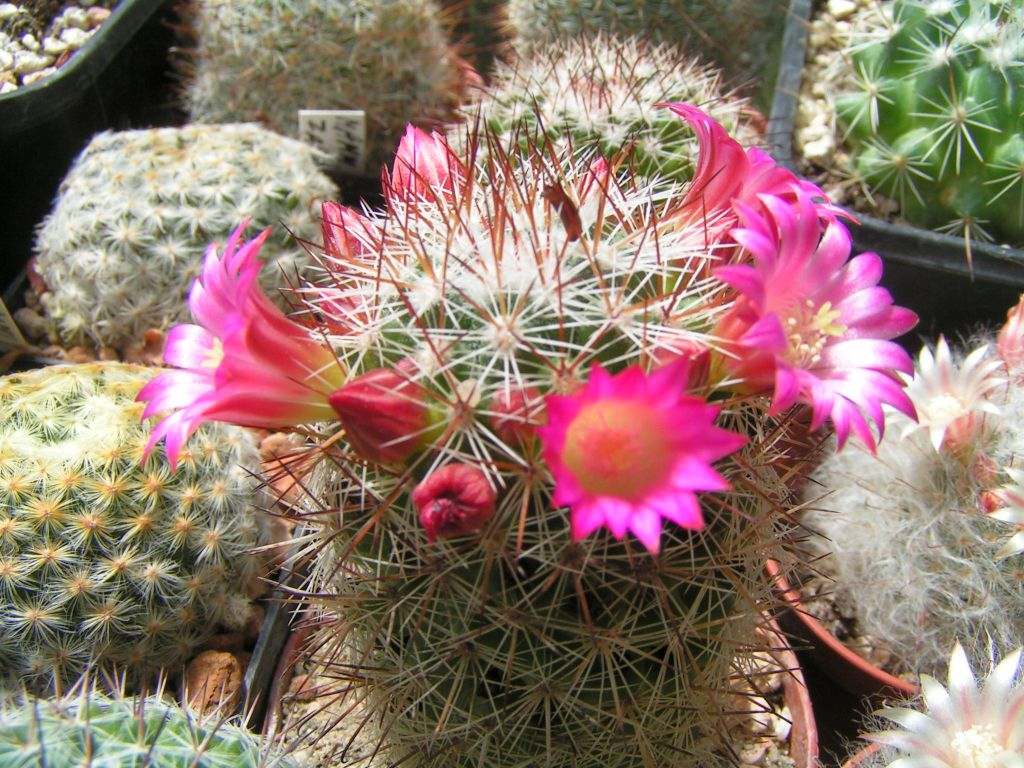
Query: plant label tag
[341,133]
[10,336]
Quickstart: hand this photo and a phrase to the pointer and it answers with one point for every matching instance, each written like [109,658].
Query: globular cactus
[102,556]
[137,209]
[936,115]
[87,727]
[918,533]
[600,93]
[267,59]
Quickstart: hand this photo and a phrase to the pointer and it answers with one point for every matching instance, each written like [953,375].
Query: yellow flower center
[977,747]
[215,355]
[808,329]
[617,448]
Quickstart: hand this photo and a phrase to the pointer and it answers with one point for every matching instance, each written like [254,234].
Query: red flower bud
[454,500]
[384,415]
[515,414]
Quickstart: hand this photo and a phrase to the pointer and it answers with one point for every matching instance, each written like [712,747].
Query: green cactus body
[101,556]
[517,646]
[267,59]
[601,92]
[936,117]
[116,732]
[135,214]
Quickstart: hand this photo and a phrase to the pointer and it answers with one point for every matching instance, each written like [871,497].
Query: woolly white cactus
[601,92]
[264,60]
[137,210]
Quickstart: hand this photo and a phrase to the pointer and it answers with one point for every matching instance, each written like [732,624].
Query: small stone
[31,323]
[74,17]
[841,9]
[30,43]
[74,37]
[80,355]
[303,687]
[149,351]
[6,86]
[35,77]
[213,682]
[108,353]
[54,46]
[27,62]
[6,60]
[753,754]
[97,16]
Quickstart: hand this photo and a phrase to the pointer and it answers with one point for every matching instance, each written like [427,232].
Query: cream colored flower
[1012,495]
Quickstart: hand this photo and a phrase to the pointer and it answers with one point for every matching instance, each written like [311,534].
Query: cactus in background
[479,28]
[267,59]
[136,211]
[925,535]
[89,728]
[737,36]
[600,92]
[101,555]
[936,118]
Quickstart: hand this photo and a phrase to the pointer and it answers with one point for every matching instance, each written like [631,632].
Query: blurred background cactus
[137,210]
[741,38]
[925,536]
[599,92]
[105,557]
[87,727]
[265,60]
[935,118]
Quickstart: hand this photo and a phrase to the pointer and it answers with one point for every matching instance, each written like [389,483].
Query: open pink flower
[627,450]
[425,164]
[811,324]
[244,362]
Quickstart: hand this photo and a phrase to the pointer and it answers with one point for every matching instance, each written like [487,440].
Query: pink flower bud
[454,500]
[515,414]
[384,414]
[698,354]
[424,163]
[1011,337]
[347,233]
[990,501]
[595,179]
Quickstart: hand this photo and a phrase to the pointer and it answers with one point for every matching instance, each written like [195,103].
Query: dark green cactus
[935,121]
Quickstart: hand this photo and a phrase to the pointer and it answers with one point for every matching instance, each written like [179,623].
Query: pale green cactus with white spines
[935,113]
[88,728]
[600,92]
[480,650]
[104,557]
[138,209]
[265,60]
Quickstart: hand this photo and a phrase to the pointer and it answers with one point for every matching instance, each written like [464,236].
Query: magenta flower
[811,324]
[628,450]
[244,362]
[425,164]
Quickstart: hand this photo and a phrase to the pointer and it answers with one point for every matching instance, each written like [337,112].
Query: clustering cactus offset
[267,59]
[101,555]
[525,347]
[922,534]
[936,117]
[600,92]
[89,728]
[138,208]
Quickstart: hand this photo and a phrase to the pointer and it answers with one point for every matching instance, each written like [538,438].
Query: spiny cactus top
[936,120]
[135,213]
[266,59]
[88,728]
[527,349]
[102,555]
[602,91]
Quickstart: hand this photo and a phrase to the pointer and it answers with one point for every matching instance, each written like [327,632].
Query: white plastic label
[10,336]
[341,133]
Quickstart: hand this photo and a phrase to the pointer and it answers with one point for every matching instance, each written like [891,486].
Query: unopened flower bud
[424,163]
[384,414]
[514,414]
[698,355]
[454,500]
[1011,338]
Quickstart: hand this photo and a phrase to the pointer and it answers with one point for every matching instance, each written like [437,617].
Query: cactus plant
[104,557]
[960,725]
[922,534]
[87,727]
[601,92]
[135,212]
[934,119]
[524,348]
[266,60]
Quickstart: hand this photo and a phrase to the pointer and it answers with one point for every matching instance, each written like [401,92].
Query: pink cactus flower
[454,500]
[425,165]
[1010,343]
[811,324]
[244,362]
[628,450]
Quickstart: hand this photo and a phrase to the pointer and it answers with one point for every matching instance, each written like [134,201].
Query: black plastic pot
[925,271]
[119,79]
